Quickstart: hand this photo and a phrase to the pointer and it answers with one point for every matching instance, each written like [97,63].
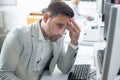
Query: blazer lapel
[34,40]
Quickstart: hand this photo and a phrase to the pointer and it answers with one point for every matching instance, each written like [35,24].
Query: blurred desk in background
[33,17]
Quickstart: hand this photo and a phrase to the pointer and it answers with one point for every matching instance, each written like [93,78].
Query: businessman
[31,51]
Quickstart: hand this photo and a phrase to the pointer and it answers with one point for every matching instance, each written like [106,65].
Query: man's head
[55,20]
[55,0]
[59,7]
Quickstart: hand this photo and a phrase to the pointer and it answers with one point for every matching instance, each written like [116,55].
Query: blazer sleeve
[9,57]
[67,59]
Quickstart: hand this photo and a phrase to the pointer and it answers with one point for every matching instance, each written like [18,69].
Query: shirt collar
[40,34]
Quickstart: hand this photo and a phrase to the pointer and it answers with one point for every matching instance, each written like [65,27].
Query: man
[31,51]
[75,6]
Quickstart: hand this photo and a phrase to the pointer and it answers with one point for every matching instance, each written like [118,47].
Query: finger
[75,24]
[73,28]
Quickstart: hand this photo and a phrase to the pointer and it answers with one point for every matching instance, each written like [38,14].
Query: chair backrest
[2,37]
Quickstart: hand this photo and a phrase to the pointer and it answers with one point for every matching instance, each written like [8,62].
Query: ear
[46,17]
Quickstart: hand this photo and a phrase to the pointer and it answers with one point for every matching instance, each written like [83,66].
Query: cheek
[52,30]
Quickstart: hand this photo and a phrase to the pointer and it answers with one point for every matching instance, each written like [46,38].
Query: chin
[54,40]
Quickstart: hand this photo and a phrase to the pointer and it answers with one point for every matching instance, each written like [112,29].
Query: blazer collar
[34,29]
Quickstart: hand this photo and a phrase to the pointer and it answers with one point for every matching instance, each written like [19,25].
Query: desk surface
[57,75]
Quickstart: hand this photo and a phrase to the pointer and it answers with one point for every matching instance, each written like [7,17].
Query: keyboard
[100,58]
[79,72]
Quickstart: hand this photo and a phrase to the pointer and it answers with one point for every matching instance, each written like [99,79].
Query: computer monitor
[106,15]
[111,1]
[103,6]
[111,62]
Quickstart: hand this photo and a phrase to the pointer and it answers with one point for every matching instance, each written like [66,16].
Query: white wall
[16,15]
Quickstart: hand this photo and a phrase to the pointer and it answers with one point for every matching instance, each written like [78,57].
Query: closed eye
[60,25]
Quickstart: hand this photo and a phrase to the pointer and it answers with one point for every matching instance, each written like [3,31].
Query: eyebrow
[60,24]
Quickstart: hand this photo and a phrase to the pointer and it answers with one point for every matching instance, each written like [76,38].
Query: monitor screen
[111,62]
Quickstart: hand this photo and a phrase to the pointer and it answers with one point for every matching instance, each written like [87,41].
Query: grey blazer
[20,47]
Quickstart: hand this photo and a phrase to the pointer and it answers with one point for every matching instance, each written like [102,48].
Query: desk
[33,17]
[57,75]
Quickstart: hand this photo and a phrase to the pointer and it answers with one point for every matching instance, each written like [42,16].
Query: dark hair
[56,8]
[55,0]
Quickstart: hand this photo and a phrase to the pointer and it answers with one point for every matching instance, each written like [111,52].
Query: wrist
[74,43]
[73,46]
